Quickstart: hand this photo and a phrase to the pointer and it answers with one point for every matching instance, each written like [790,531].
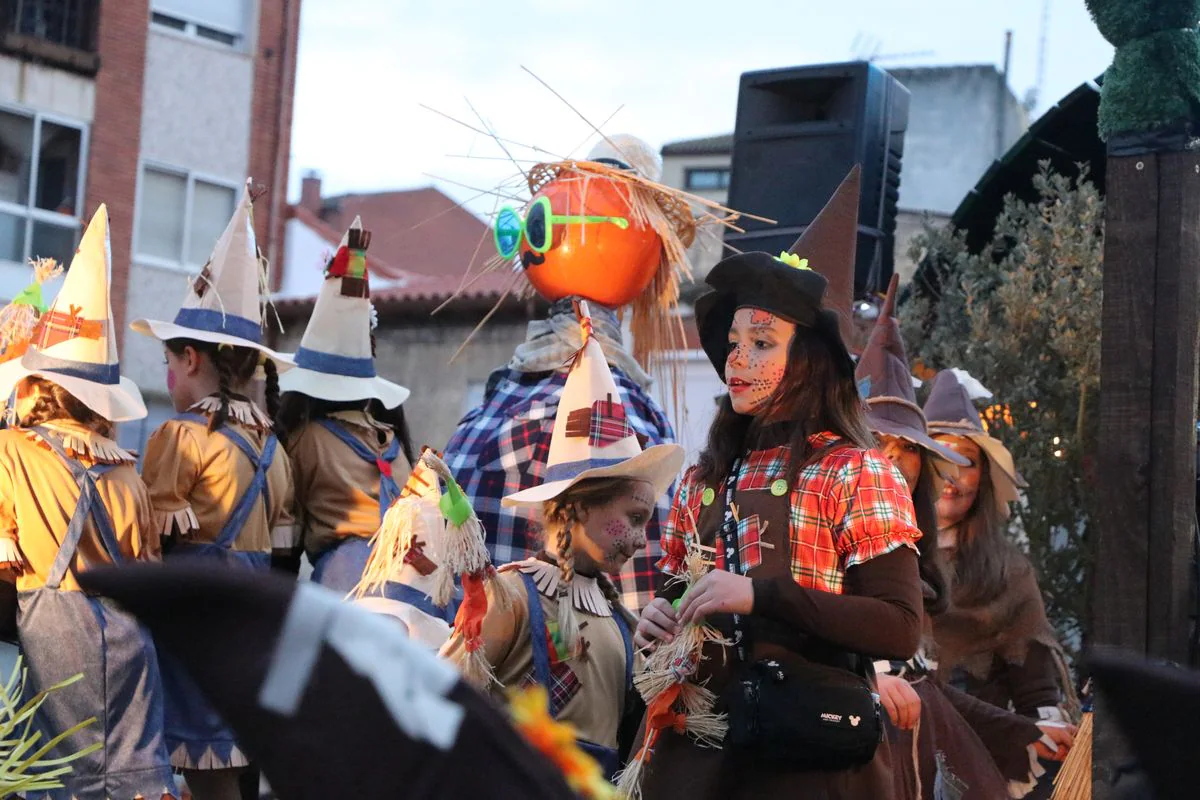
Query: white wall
[699,389]
[196,109]
[195,116]
[47,89]
[304,254]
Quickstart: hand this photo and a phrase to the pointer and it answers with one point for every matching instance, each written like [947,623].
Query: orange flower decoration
[529,710]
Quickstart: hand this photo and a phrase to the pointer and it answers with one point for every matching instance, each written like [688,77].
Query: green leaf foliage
[1154,80]
[1024,318]
[24,767]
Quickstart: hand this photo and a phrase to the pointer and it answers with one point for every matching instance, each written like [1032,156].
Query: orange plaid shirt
[847,508]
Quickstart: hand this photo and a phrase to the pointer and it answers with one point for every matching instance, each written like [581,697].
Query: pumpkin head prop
[604,229]
[576,239]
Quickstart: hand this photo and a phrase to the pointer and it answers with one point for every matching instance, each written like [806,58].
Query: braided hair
[609,589]
[54,402]
[235,367]
[274,402]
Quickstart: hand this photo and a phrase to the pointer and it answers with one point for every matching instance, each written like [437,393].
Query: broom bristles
[1074,780]
[407,520]
[476,669]
[629,780]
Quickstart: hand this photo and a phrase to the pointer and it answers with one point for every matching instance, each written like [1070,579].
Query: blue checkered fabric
[501,447]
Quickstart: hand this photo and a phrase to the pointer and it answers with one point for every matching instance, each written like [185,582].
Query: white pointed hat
[224,303]
[74,343]
[593,434]
[334,361]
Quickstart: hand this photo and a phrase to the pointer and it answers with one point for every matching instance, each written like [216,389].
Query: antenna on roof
[1034,95]
[865,47]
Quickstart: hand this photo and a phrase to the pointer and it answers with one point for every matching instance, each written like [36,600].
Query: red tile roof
[420,236]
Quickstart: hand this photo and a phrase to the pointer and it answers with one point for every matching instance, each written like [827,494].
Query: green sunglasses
[538,226]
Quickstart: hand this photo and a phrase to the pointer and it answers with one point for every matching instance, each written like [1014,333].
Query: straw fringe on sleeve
[170,470]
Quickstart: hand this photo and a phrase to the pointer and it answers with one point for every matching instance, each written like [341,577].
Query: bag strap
[627,640]
[388,489]
[90,504]
[414,597]
[258,486]
[538,633]
[733,555]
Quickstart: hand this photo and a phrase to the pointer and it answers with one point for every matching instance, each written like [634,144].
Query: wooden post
[1146,475]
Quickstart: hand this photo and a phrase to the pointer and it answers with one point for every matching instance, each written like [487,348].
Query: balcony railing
[57,32]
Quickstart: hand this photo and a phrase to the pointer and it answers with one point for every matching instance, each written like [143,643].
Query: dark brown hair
[929,561]
[982,552]
[54,402]
[560,515]
[298,409]
[815,394]
[235,368]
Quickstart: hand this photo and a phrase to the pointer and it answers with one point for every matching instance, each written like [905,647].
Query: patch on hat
[350,263]
[603,423]
[55,327]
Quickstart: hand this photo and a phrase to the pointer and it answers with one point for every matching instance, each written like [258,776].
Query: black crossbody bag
[807,715]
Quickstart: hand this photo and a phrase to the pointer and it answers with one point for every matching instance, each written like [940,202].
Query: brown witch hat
[830,243]
[950,411]
[886,384]
[793,285]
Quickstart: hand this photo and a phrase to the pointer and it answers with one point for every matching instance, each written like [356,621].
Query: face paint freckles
[614,533]
[621,538]
[759,343]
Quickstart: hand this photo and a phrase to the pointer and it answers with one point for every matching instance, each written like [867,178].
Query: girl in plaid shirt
[825,529]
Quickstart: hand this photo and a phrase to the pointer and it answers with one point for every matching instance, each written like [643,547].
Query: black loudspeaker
[799,131]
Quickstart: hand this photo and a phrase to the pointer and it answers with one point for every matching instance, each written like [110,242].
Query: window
[180,216]
[221,21]
[41,163]
[68,23]
[706,179]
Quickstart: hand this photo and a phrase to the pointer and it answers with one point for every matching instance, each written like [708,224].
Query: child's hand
[658,623]
[900,700]
[718,592]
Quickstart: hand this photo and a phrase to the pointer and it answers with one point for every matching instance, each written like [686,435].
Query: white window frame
[725,171]
[242,39]
[30,211]
[191,176]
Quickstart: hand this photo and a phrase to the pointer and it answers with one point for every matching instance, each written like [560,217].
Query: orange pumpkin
[602,261]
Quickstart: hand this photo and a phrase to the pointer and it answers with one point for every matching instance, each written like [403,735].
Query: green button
[779,488]
[708,496]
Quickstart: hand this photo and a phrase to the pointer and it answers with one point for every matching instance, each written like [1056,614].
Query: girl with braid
[571,634]
[342,424]
[219,483]
[70,502]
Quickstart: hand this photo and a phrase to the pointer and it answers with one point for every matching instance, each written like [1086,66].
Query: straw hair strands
[672,700]
[1074,780]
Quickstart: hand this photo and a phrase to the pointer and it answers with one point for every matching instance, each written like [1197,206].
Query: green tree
[1024,318]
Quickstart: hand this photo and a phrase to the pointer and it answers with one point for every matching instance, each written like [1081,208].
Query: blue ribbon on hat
[207,319]
[333,364]
[107,374]
[570,470]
